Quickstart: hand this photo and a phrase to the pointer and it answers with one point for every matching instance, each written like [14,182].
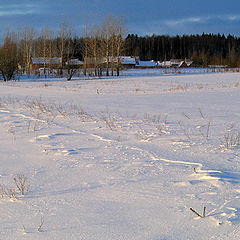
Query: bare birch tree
[113,47]
[45,33]
[86,51]
[103,46]
[27,40]
[50,50]
[62,39]
[106,40]
[120,32]
[44,49]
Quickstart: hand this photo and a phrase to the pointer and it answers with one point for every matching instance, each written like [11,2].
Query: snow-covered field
[121,159]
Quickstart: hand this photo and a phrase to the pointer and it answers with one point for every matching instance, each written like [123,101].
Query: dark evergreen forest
[204,49]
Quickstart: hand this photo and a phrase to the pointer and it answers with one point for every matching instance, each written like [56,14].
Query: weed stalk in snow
[22,183]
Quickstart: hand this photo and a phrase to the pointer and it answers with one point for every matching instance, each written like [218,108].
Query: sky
[142,17]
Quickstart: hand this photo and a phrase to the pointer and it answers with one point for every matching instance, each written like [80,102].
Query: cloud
[16,12]
[17,9]
[183,21]
[232,18]
[202,19]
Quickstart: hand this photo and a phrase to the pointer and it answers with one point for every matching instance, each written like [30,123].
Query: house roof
[164,64]
[125,60]
[146,64]
[74,62]
[40,60]
[128,60]
[188,62]
[175,63]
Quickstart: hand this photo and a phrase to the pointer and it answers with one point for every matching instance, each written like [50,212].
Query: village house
[146,64]
[74,63]
[177,63]
[125,61]
[38,63]
[129,61]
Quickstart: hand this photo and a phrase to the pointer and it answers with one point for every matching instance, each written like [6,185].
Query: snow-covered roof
[74,62]
[128,60]
[164,64]
[40,60]
[104,59]
[175,63]
[188,62]
[123,59]
[146,64]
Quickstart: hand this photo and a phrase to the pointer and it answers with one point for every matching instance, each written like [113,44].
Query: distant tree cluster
[18,49]
[205,49]
[99,50]
[8,57]
[103,47]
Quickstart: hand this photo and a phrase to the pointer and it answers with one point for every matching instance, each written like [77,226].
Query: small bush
[231,139]
[22,183]
[8,192]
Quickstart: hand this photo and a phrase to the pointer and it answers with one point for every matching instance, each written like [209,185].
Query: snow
[122,158]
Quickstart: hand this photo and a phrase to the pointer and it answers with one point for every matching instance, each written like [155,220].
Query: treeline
[205,49]
[99,49]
